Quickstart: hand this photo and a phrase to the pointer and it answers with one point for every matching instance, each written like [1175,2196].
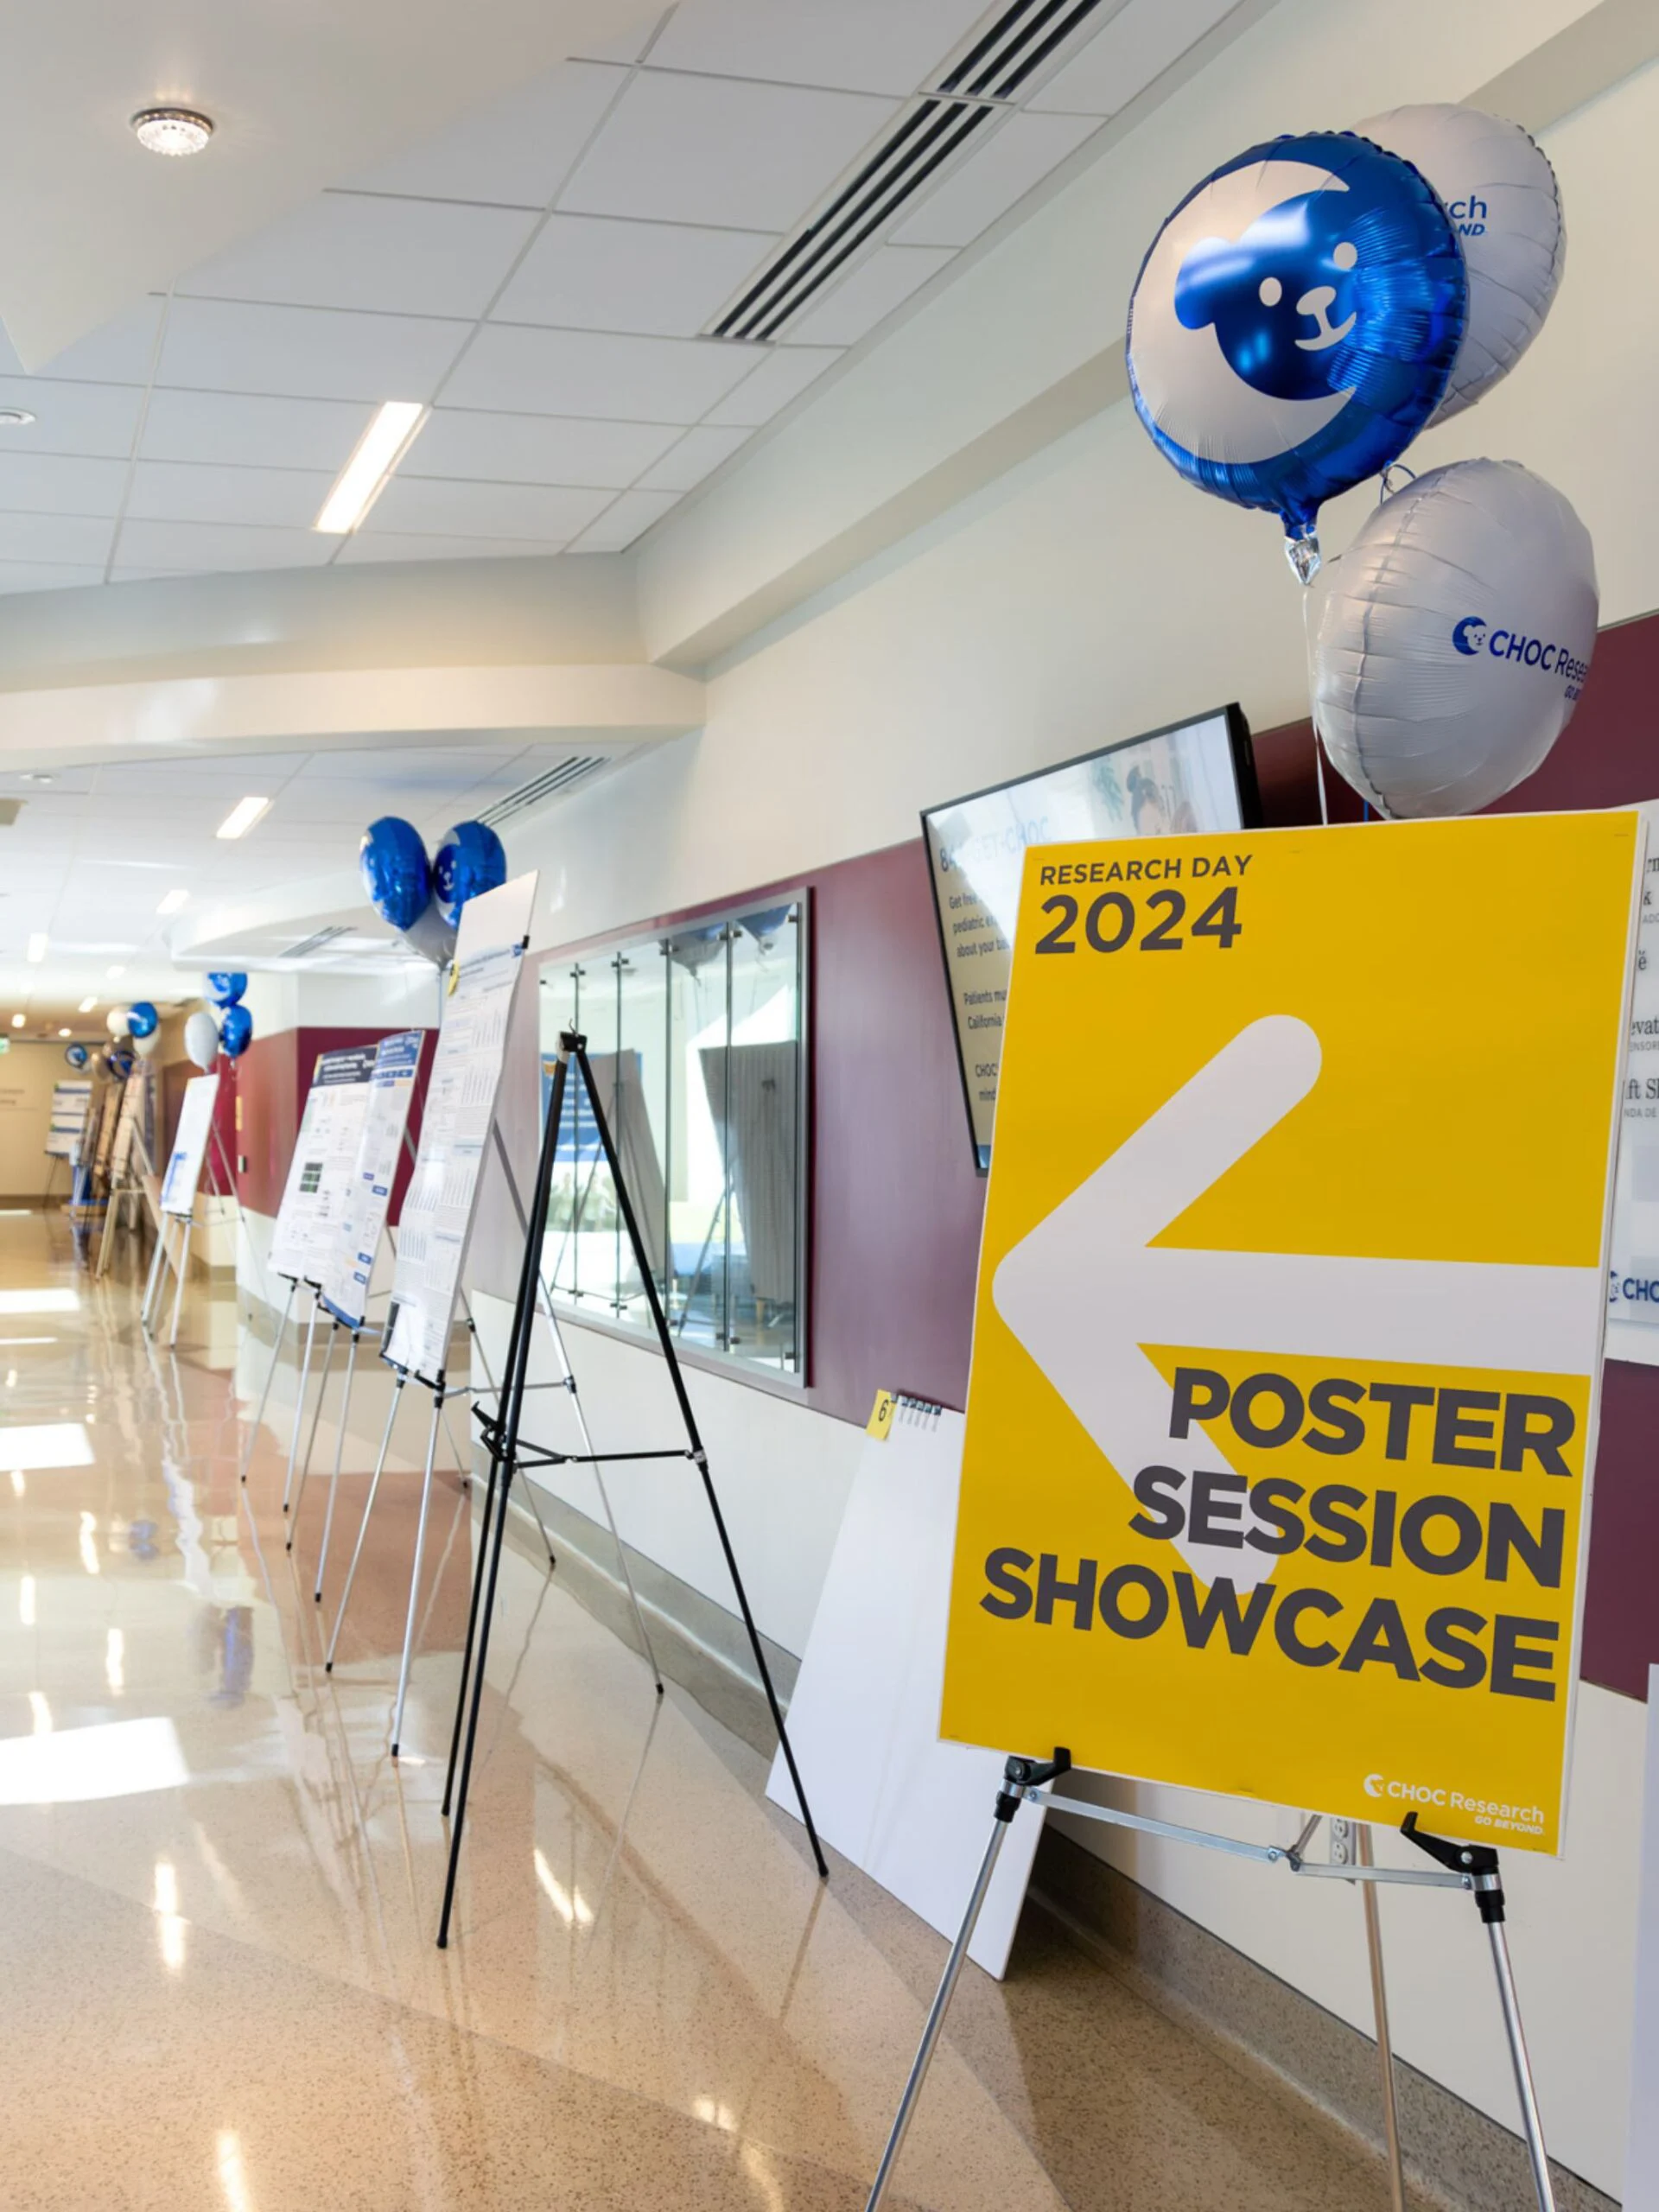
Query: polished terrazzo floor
[219,1986]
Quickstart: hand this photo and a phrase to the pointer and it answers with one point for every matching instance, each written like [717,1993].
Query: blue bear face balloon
[470,861]
[1283,298]
[225,988]
[235,1032]
[1295,322]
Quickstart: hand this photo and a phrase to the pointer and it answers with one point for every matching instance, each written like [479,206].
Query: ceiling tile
[186,491]
[590,372]
[785,371]
[415,505]
[709,149]
[698,453]
[23,575]
[118,354]
[515,151]
[536,449]
[1129,50]
[1018,156]
[60,484]
[191,548]
[391,545]
[421,766]
[80,539]
[244,431]
[307,353]
[869,294]
[592,272]
[393,256]
[868,45]
[94,418]
[624,520]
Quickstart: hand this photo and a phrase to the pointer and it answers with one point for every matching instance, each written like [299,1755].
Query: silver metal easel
[1472,1867]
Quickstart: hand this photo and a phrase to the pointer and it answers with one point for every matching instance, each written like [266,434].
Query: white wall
[1084,597]
[28,1073]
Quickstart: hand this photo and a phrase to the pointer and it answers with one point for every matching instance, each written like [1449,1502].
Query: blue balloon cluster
[235,1030]
[76,1055]
[422,901]
[143,1020]
[223,988]
[1295,322]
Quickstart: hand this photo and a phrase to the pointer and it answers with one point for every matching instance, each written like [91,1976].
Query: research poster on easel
[70,1105]
[441,1198]
[1288,1339]
[189,1146]
[349,1271]
[308,1221]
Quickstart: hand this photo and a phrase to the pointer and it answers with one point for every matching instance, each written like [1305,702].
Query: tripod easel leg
[1531,2118]
[363,1527]
[1380,2013]
[311,1440]
[299,1399]
[155,1259]
[270,1376]
[340,1448]
[415,1578]
[181,1267]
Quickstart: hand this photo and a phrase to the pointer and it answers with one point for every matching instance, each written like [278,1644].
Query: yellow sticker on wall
[1282,1410]
[881,1412]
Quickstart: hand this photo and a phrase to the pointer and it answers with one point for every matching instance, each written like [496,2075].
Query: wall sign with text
[1286,1360]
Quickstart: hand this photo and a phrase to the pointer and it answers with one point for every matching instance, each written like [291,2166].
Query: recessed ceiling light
[115,973]
[242,817]
[65,1033]
[173,901]
[379,449]
[174,130]
[16,1020]
[37,947]
[86,1006]
[15,418]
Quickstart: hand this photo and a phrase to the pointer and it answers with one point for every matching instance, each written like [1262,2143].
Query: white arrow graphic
[1086,1288]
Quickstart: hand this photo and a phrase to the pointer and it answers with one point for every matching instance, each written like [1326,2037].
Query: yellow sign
[881,1412]
[1283,1402]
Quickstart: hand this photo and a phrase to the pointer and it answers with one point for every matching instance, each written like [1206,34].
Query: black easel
[500,1433]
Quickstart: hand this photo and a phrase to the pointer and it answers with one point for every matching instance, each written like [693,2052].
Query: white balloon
[1449,644]
[431,936]
[145,1045]
[1501,193]
[118,1019]
[201,1039]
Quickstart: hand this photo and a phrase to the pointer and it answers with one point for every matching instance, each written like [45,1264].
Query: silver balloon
[145,1045]
[118,1019]
[1449,644]
[431,936]
[1498,188]
[201,1040]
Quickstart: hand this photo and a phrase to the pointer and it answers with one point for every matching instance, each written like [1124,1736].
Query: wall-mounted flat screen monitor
[1196,775]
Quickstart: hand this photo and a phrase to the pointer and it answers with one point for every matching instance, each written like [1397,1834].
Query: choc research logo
[1463,1811]
[1473,636]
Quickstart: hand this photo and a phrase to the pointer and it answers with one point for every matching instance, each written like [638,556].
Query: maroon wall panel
[1608,757]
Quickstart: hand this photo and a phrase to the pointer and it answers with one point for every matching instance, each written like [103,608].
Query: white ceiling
[94,852]
[539,272]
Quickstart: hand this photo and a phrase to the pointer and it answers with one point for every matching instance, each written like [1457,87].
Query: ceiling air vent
[550,785]
[970,92]
[314,943]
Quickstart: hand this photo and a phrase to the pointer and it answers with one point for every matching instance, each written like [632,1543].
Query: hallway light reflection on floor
[88,1547]
[115,1660]
[574,1911]
[171,1928]
[232,2173]
[41,1711]
[26,1602]
[39,1301]
[72,1766]
[39,1447]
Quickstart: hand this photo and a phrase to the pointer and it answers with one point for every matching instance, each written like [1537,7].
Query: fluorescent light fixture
[37,947]
[86,1006]
[242,817]
[115,973]
[65,1033]
[174,898]
[379,449]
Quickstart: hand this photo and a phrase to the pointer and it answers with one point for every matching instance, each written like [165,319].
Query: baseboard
[1456,2156]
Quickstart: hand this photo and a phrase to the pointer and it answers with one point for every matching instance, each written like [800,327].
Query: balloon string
[1312,716]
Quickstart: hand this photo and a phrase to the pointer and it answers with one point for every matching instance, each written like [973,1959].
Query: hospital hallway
[218,1893]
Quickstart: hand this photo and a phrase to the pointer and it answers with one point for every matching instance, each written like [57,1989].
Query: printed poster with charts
[324,1152]
[70,1103]
[350,1268]
[189,1146]
[438,1209]
[1287,1356]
